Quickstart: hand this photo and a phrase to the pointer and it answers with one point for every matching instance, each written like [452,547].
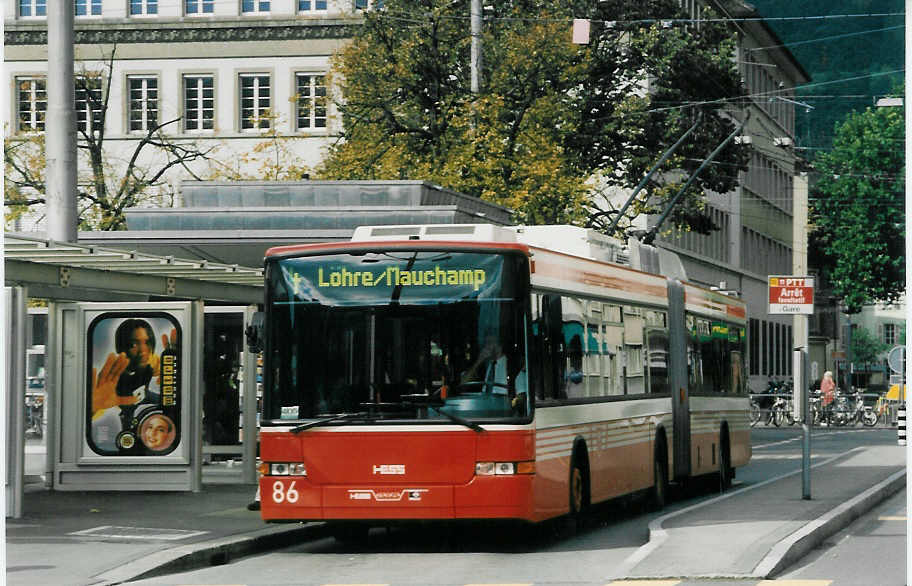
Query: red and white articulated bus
[482,372]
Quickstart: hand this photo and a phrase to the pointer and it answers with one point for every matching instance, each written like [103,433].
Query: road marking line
[772,444]
[892,518]
[137,533]
[794,583]
[511,584]
[644,583]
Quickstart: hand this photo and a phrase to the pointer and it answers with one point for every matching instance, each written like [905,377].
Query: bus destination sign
[788,294]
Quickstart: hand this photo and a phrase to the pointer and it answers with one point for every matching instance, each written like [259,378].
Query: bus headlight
[504,468]
[284,469]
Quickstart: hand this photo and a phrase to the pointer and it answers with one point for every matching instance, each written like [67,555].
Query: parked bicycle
[863,414]
[781,412]
[772,406]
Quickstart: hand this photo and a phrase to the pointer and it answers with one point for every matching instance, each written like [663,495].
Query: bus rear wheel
[726,472]
[659,494]
[579,491]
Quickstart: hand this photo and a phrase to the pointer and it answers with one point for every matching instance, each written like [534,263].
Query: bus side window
[549,346]
[634,373]
[571,368]
[536,348]
[694,367]
[657,341]
[736,353]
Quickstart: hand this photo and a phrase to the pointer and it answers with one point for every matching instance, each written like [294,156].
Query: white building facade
[222,74]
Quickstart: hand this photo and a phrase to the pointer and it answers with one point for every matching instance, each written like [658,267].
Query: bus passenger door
[677,366]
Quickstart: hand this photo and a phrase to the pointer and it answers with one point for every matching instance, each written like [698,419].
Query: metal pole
[60,129]
[800,325]
[849,369]
[13,398]
[908,211]
[250,404]
[476,46]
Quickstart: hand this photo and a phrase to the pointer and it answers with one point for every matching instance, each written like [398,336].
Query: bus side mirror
[255,332]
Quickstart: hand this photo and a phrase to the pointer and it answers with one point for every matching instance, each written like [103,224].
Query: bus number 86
[279,494]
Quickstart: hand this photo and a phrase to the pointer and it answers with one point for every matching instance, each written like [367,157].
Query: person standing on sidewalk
[827,393]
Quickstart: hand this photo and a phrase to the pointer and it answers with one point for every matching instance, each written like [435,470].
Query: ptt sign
[788,294]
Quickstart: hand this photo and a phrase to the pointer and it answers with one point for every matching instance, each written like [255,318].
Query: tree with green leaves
[866,347]
[857,209]
[554,121]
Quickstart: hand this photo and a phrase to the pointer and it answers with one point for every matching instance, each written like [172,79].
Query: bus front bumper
[289,498]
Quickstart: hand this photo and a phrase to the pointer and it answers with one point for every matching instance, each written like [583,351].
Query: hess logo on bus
[386,469]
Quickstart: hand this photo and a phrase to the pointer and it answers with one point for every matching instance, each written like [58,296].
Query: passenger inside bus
[574,384]
[490,367]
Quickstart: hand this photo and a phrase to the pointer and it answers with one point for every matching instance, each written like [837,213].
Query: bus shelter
[131,422]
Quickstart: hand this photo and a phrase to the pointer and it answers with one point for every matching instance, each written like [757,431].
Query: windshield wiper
[457,419]
[330,419]
[434,403]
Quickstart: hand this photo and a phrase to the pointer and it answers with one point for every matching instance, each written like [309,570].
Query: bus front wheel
[350,534]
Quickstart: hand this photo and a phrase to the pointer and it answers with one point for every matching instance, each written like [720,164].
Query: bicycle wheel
[754,413]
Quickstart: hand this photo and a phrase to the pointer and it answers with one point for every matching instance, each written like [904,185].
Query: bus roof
[578,271]
[333,247]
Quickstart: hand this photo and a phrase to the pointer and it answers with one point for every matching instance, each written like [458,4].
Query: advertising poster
[133,393]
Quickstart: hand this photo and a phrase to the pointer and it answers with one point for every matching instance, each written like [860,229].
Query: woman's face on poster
[157,432]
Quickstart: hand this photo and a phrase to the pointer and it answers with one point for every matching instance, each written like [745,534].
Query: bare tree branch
[112,187]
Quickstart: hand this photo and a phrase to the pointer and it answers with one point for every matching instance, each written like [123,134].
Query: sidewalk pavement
[761,529]
[103,538]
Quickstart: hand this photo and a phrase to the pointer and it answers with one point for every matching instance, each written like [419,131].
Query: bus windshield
[398,335]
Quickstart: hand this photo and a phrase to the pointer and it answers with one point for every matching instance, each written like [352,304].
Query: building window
[254,6]
[143,7]
[31,103]
[311,5]
[143,96]
[89,105]
[199,103]
[88,7]
[192,7]
[255,101]
[32,7]
[786,354]
[889,334]
[310,101]
[368,4]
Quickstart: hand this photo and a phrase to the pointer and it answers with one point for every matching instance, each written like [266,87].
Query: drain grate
[137,533]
